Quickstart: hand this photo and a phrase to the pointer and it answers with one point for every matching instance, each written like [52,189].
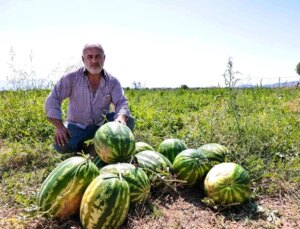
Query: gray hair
[92,45]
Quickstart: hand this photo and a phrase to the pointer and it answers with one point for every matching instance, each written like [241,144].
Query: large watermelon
[215,152]
[142,146]
[171,147]
[98,162]
[191,166]
[136,178]
[157,166]
[61,192]
[227,183]
[114,142]
[105,202]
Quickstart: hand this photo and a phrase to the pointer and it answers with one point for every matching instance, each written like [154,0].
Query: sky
[159,43]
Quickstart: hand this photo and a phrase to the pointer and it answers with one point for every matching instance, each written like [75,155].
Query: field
[260,126]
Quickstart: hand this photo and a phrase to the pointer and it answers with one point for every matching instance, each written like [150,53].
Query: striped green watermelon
[114,142]
[142,146]
[227,183]
[157,166]
[215,152]
[98,162]
[191,166]
[171,147]
[61,192]
[136,178]
[105,202]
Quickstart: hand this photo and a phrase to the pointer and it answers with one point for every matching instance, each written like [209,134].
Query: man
[90,90]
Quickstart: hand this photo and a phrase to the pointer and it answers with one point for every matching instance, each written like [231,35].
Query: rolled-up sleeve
[119,99]
[54,100]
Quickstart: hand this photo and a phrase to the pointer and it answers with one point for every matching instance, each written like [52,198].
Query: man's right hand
[62,136]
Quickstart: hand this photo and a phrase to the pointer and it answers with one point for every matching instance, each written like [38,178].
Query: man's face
[93,59]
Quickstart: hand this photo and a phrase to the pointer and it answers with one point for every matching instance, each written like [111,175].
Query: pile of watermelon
[102,189]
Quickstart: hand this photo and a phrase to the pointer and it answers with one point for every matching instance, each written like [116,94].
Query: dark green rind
[154,164]
[191,166]
[227,183]
[105,202]
[171,148]
[136,178]
[114,142]
[98,162]
[68,180]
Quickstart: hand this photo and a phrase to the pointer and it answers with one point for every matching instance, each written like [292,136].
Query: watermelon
[142,146]
[215,152]
[105,202]
[171,147]
[98,162]
[60,194]
[191,166]
[156,166]
[227,183]
[114,142]
[136,178]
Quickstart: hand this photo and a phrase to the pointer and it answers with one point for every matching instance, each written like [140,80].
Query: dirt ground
[183,209]
[189,210]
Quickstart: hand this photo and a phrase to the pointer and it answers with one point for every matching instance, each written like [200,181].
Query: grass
[265,142]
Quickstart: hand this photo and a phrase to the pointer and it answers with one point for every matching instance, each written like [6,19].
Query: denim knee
[130,123]
[68,148]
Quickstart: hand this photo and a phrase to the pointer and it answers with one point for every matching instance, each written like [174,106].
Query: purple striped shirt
[84,107]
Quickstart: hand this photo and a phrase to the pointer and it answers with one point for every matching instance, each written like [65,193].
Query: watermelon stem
[167,182]
[86,156]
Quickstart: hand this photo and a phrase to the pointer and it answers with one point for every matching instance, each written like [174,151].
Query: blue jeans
[79,135]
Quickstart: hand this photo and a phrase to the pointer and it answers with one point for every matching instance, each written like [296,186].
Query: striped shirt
[85,107]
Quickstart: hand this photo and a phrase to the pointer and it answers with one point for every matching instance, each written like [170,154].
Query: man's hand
[62,136]
[121,119]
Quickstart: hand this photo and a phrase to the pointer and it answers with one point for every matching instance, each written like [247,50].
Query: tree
[298,68]
[184,86]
